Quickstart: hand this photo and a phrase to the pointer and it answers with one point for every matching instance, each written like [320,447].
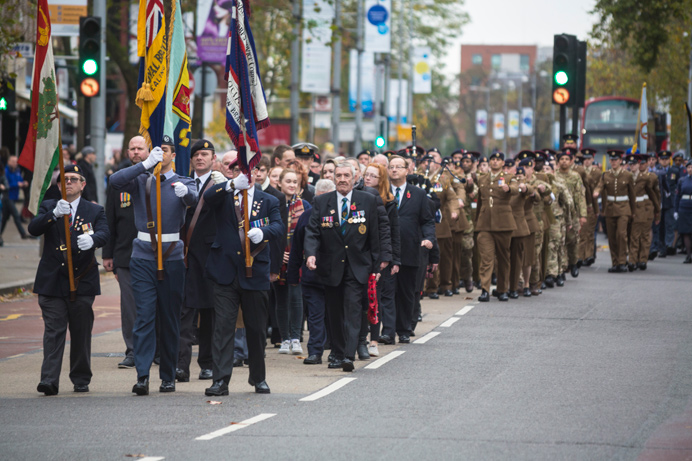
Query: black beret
[201,144]
[499,155]
[167,141]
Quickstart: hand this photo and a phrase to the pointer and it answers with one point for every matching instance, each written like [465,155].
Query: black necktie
[199,183]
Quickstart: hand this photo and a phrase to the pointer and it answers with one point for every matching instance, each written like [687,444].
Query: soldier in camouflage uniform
[463,237]
[563,211]
[576,189]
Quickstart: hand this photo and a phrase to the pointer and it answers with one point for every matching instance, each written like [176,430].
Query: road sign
[561,96]
[89,87]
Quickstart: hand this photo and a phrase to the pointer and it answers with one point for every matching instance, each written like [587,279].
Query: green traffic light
[561,77]
[90,67]
[379,142]
[3,104]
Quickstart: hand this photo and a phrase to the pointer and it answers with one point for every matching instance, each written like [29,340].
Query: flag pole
[66,223]
[159,252]
[639,121]
[246,221]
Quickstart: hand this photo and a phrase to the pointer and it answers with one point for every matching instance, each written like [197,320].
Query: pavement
[598,369]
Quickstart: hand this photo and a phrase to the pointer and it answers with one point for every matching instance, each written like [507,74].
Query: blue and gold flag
[152,49]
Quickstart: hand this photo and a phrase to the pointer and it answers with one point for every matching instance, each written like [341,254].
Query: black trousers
[188,321]
[59,314]
[227,300]
[345,308]
[406,282]
[314,300]
[128,309]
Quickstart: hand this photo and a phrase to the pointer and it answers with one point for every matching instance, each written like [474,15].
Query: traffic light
[89,55]
[7,95]
[379,142]
[581,74]
[565,69]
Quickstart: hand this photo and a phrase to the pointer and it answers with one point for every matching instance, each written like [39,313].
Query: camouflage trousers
[466,260]
[557,256]
[572,244]
[536,269]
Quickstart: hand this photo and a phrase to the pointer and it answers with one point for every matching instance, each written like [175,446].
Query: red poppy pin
[353,207]
[408,194]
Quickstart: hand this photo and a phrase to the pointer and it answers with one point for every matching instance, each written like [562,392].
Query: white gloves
[241,182]
[62,208]
[255,235]
[552,196]
[217,177]
[180,189]
[84,242]
[675,215]
[155,157]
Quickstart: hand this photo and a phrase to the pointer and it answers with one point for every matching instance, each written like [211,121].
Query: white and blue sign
[378,29]
[526,121]
[367,81]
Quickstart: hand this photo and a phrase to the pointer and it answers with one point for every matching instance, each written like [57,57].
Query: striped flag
[42,147]
[643,122]
[152,49]
[178,120]
[246,105]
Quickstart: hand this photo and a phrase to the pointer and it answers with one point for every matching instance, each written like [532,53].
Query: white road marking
[235,427]
[449,322]
[426,338]
[327,390]
[379,362]
[152,458]
[465,310]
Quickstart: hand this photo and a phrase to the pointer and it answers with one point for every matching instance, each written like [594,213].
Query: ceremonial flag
[246,106]
[152,49]
[177,121]
[643,121]
[42,147]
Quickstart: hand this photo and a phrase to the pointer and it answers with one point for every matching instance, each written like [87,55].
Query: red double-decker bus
[610,122]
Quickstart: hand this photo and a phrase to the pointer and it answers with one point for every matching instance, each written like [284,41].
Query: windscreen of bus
[611,115]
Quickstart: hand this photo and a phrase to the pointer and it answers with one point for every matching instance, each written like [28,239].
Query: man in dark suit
[232,287]
[342,245]
[417,228]
[88,231]
[198,233]
[86,165]
[116,253]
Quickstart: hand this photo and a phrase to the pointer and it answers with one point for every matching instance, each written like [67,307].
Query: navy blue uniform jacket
[51,276]
[226,260]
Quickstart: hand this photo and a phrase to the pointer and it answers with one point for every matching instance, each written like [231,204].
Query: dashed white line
[379,362]
[152,458]
[465,310]
[235,427]
[449,322]
[327,390]
[426,338]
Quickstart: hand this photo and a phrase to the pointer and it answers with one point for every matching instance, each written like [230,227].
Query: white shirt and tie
[73,208]
[200,180]
[398,193]
[340,199]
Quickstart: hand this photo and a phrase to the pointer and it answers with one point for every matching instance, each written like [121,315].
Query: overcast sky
[525,22]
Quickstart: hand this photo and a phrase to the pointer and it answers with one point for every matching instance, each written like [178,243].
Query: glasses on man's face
[370,175]
[397,167]
[72,179]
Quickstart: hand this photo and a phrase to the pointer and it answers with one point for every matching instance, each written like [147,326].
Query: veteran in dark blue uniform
[232,288]
[342,244]
[177,193]
[88,231]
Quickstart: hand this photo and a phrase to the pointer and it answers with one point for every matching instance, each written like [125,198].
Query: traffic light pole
[575,119]
[563,120]
[98,111]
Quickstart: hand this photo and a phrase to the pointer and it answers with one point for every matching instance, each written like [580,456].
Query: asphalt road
[599,369]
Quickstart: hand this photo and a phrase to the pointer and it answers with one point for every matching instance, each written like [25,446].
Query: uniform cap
[526,162]
[665,154]
[509,162]
[615,153]
[167,141]
[520,170]
[201,144]
[499,155]
[305,149]
[366,152]
[570,137]
[525,154]
[588,152]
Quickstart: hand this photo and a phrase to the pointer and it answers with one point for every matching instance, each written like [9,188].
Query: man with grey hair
[381,159]
[342,244]
[311,286]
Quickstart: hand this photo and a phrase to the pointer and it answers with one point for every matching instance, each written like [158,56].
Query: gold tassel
[144,94]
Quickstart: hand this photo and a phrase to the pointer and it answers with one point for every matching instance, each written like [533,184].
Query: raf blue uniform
[53,289]
[232,289]
[148,290]
[668,178]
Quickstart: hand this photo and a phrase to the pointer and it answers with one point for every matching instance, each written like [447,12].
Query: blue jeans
[289,311]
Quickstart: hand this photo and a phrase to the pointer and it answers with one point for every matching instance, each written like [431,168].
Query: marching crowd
[348,244]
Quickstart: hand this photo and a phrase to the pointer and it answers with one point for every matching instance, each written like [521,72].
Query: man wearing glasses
[88,230]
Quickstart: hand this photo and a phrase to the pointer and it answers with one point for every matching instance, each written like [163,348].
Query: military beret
[615,153]
[483,160]
[201,144]
[417,153]
[540,156]
[520,170]
[458,152]
[525,154]
[474,154]
[548,151]
[366,152]
[509,162]
[676,155]
[389,153]
[567,151]
[570,137]
[499,155]
[70,168]
[526,162]
[167,141]
[469,156]
[433,149]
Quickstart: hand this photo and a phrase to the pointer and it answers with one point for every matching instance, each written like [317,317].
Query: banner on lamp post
[481,122]
[527,121]
[378,29]
[499,126]
[513,123]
